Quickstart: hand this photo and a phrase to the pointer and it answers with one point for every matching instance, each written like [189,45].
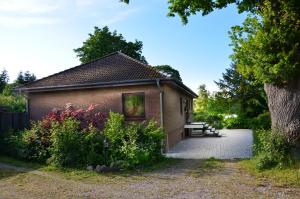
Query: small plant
[272,150]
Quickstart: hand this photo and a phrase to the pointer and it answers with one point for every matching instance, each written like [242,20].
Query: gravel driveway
[235,143]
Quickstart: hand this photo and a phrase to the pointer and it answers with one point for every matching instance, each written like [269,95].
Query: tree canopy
[102,42]
[169,71]
[245,92]
[267,45]
[3,80]
[24,78]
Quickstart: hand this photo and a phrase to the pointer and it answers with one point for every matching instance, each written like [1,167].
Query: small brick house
[118,83]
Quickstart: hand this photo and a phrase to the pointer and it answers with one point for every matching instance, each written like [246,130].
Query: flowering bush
[42,141]
[86,117]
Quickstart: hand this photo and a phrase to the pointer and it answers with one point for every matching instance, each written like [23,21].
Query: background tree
[25,78]
[247,93]
[202,99]
[169,72]
[103,42]
[3,80]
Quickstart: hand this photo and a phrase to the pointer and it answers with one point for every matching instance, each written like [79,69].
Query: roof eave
[86,86]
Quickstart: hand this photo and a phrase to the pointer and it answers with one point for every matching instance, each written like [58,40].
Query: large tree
[169,71]
[266,46]
[103,42]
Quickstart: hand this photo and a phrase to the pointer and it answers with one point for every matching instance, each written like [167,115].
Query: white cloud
[12,21]
[26,13]
[29,6]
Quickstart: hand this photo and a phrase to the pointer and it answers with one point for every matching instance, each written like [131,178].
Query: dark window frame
[128,117]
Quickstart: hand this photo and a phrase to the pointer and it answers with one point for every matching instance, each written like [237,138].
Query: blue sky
[40,35]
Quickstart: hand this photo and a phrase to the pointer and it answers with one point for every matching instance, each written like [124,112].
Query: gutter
[160,103]
[161,95]
[86,86]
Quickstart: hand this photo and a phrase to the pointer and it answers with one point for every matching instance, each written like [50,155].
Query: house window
[134,105]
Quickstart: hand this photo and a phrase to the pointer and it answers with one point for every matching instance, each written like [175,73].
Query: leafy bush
[11,144]
[212,119]
[236,122]
[73,138]
[72,146]
[262,121]
[86,117]
[13,103]
[36,142]
[272,149]
[133,144]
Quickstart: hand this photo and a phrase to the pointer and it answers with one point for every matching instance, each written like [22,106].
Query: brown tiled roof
[111,68]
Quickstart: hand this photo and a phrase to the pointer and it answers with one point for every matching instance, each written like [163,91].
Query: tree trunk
[284,106]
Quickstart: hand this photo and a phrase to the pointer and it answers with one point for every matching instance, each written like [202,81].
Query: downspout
[161,94]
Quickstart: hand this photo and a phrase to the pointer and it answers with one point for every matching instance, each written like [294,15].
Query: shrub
[36,142]
[66,140]
[236,122]
[85,117]
[212,119]
[133,144]
[262,121]
[272,149]
[73,147]
[11,144]
[13,103]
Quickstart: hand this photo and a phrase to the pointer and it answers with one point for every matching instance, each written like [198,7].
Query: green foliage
[67,140]
[13,103]
[36,143]
[132,144]
[72,146]
[25,78]
[169,72]
[245,93]
[11,143]
[267,46]
[102,42]
[215,120]
[3,80]
[262,121]
[235,122]
[272,149]
[187,8]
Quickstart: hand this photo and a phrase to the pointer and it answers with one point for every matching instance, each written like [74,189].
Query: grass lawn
[281,177]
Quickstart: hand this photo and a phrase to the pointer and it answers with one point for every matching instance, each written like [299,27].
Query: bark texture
[284,106]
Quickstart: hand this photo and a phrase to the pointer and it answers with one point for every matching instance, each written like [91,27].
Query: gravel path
[232,144]
[185,179]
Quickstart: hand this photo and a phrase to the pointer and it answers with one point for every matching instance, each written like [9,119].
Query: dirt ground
[184,179]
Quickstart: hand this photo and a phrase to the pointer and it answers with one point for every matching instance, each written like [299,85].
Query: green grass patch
[20,163]
[208,166]
[83,174]
[287,176]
